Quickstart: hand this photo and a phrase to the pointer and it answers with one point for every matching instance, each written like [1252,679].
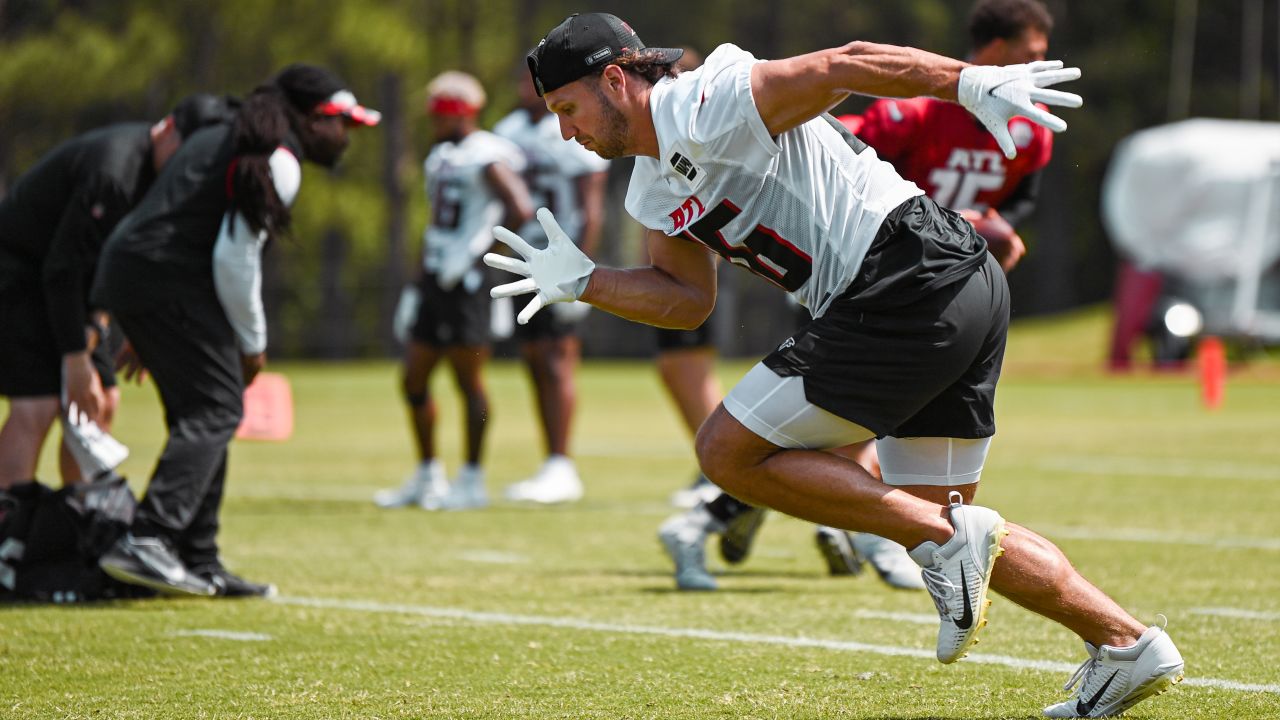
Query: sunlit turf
[570,612]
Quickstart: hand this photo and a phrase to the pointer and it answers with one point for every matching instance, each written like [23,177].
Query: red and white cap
[344,103]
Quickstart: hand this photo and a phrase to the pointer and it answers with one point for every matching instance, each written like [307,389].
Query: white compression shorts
[775,408]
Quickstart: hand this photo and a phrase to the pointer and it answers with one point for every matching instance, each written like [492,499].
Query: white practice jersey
[800,209]
[464,207]
[552,170]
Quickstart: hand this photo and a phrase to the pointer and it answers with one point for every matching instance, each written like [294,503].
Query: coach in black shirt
[182,277]
[52,226]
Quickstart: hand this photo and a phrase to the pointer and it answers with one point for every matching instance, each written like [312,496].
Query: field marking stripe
[1236,613]
[223,635]
[697,634]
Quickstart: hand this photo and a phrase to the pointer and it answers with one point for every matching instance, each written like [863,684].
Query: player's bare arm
[591,187]
[677,290]
[795,90]
[790,92]
[513,193]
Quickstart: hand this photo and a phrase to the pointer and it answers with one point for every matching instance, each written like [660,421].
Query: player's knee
[717,448]
[415,399]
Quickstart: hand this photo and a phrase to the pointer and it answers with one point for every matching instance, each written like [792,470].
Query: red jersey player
[961,167]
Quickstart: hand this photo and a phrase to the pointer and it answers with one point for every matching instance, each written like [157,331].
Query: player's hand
[82,385]
[251,365]
[406,313]
[997,94]
[129,364]
[557,274]
[453,266]
[1002,241]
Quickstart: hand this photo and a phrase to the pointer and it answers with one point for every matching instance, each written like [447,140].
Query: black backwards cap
[311,88]
[200,110]
[581,45]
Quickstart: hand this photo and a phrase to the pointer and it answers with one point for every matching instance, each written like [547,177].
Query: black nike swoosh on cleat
[966,618]
[1084,708]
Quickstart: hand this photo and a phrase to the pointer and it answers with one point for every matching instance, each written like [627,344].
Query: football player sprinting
[739,159]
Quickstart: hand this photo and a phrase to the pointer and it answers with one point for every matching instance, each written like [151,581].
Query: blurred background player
[182,274]
[569,180]
[946,151]
[472,183]
[53,224]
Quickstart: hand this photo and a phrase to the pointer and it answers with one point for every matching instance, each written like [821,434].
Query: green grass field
[570,612]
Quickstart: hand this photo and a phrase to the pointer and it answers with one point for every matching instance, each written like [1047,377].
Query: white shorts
[775,408]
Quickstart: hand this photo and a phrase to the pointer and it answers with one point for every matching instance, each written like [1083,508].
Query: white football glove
[406,313]
[557,274]
[996,94]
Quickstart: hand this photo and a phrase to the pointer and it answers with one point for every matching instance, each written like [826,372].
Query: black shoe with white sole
[151,563]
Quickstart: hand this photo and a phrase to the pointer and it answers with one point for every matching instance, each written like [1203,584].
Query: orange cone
[1212,358]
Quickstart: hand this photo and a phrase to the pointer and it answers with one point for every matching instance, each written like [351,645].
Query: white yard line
[1238,613]
[223,635]
[571,623]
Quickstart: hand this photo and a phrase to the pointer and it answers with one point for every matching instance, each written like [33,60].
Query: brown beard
[612,141]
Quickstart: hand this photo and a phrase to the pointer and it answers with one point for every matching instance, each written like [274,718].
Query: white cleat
[684,537]
[465,493]
[427,481]
[957,575]
[1114,679]
[556,482]
[890,560]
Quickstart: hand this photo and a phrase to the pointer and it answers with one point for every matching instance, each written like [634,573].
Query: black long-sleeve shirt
[57,216]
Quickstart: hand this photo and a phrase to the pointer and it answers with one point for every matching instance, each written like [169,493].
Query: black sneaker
[740,534]
[150,562]
[226,584]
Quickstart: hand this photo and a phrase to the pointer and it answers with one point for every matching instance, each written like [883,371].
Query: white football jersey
[464,208]
[553,167]
[800,209]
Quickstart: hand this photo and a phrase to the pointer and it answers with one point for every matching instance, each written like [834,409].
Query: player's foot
[702,490]
[740,534]
[466,492]
[150,562]
[837,549]
[891,561]
[684,537]
[427,481]
[556,481]
[1114,679]
[226,584]
[958,574]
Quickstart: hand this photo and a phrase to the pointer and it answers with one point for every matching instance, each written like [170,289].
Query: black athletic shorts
[448,318]
[922,358]
[699,337]
[30,364]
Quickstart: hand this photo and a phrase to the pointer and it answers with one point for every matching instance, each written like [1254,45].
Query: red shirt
[942,148]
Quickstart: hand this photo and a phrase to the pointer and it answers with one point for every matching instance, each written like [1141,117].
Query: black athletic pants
[190,350]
